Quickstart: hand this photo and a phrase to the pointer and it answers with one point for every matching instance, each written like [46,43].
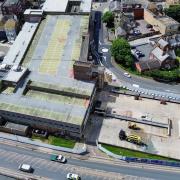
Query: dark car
[149,26]
[122,135]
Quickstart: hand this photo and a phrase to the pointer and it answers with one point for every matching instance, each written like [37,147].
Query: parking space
[157,139]
[143,27]
[145,50]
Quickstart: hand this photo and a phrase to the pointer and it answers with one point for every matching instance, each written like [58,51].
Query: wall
[46,124]
[158,23]
[152,19]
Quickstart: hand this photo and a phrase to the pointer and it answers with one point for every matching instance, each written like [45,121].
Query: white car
[25,168]
[72,176]
[127,75]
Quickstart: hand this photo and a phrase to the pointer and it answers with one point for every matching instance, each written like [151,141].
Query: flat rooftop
[56,6]
[60,6]
[56,45]
[167,20]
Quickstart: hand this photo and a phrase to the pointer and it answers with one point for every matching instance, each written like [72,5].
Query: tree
[174,12]
[108,18]
[121,51]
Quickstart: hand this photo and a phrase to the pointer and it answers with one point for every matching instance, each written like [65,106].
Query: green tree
[121,51]
[108,18]
[174,12]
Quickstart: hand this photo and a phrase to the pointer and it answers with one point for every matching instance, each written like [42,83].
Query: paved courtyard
[156,138]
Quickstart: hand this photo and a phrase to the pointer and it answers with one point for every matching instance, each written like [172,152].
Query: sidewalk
[79,148]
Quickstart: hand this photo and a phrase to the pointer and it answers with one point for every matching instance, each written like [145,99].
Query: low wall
[139,160]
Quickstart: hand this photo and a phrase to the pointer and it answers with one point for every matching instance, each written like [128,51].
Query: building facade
[163,24]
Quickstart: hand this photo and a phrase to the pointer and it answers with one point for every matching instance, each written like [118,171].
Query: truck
[134,139]
[58,158]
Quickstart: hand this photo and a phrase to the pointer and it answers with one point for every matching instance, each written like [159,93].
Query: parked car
[152,30]
[122,135]
[139,53]
[136,32]
[127,75]
[25,168]
[72,176]
[149,26]
[58,158]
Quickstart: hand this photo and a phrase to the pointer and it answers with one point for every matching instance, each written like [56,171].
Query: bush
[108,18]
[177,52]
[173,75]
[174,12]
[121,51]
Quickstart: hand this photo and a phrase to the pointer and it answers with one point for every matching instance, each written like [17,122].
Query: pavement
[11,157]
[78,148]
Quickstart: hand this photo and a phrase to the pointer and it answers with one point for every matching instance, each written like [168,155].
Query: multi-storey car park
[38,87]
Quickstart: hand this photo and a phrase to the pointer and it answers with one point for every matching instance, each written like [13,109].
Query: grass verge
[131,153]
[56,141]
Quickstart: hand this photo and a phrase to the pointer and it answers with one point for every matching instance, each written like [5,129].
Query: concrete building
[33,15]
[172,2]
[40,67]
[158,55]
[164,24]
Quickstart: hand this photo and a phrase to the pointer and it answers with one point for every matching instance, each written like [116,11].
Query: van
[25,168]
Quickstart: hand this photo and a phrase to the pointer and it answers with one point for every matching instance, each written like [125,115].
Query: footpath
[79,148]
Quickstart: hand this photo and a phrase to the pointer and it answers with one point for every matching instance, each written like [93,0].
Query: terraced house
[38,87]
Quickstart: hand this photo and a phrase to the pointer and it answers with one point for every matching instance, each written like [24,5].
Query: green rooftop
[60,88]
[37,112]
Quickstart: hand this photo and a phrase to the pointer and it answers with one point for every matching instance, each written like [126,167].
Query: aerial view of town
[90,89]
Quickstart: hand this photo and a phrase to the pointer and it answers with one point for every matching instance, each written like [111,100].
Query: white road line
[55,168]
[3,154]
[38,161]
[25,159]
[32,160]
[9,157]
[18,156]
[48,164]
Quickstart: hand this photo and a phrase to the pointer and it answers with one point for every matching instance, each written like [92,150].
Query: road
[146,85]
[11,157]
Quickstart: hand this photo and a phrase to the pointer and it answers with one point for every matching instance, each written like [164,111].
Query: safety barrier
[138,160]
[153,161]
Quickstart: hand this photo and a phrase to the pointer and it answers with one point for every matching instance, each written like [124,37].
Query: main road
[11,157]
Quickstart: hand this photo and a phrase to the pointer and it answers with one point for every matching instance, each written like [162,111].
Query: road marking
[9,157]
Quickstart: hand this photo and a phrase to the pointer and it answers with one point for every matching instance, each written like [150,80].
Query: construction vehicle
[134,139]
[133,126]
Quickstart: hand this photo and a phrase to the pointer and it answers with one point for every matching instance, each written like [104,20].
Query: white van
[25,168]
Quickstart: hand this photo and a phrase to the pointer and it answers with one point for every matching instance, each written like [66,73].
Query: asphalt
[11,157]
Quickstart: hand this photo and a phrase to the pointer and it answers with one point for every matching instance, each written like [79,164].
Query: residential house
[164,24]
[172,2]
[161,56]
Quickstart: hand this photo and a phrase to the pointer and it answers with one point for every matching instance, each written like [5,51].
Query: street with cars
[11,157]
